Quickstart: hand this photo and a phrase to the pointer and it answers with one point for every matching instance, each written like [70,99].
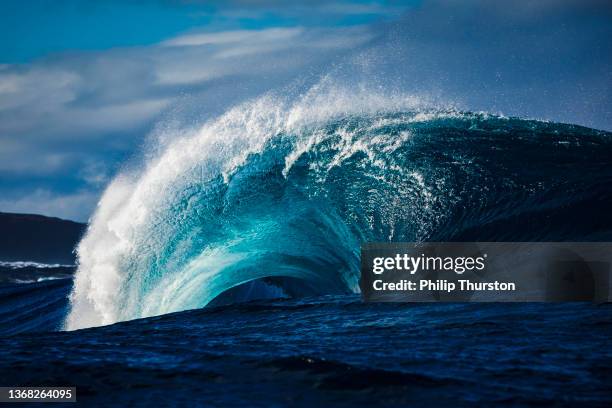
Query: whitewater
[280,187]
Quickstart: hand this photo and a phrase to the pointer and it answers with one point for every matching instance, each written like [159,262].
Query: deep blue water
[196,248]
[331,351]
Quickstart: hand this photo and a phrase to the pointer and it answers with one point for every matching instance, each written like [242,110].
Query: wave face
[278,189]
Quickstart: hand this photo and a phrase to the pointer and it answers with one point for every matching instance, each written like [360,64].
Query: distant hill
[28,237]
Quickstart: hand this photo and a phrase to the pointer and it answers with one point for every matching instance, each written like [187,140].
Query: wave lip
[276,189]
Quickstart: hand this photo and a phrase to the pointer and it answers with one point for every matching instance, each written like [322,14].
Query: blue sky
[35,28]
[84,85]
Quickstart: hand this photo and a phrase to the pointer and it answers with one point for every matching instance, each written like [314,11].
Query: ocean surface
[330,351]
[224,270]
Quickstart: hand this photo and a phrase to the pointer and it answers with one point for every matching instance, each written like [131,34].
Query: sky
[83,85]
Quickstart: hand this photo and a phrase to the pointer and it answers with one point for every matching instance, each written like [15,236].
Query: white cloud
[232,37]
[39,86]
[198,58]
[120,89]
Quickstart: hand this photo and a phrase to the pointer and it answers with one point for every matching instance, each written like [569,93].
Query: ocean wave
[31,264]
[37,280]
[291,189]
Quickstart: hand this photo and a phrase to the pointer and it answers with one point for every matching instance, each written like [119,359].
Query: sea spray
[291,189]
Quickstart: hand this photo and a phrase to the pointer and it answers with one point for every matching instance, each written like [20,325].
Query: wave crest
[273,188]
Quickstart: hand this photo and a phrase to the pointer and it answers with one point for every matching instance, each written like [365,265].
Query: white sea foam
[31,264]
[38,280]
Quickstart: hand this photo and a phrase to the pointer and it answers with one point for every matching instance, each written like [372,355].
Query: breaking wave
[291,189]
